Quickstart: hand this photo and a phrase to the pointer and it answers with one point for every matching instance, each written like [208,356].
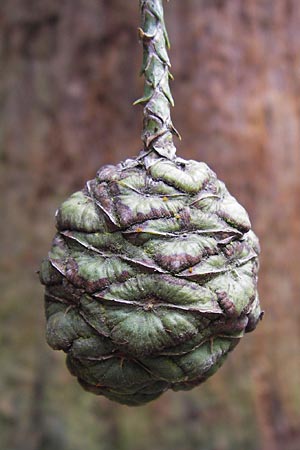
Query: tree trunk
[67,84]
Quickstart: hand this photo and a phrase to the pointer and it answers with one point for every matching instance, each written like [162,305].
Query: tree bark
[68,80]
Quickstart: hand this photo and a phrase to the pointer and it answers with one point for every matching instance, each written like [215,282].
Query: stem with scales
[158,129]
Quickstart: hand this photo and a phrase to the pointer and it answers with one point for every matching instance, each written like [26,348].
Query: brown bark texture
[68,78]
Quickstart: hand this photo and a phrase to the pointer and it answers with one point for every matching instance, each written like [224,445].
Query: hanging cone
[152,277]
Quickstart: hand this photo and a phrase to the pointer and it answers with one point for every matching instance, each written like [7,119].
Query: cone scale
[151,279]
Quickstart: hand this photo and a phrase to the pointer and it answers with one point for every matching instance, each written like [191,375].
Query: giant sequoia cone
[151,279]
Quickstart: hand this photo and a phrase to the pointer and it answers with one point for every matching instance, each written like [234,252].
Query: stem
[158,129]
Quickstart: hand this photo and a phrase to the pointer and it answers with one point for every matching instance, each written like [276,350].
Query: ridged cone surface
[151,279]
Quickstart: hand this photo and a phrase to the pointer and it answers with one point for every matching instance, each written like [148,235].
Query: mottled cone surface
[151,279]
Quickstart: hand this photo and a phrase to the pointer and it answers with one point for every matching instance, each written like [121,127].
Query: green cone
[152,277]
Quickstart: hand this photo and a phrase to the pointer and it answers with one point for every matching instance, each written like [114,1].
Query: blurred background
[69,75]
